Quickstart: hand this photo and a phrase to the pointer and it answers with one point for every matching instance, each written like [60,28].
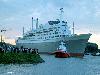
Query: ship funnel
[36,23]
[32,23]
[73,29]
[23,31]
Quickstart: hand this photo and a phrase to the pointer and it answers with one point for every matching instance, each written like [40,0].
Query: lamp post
[3,30]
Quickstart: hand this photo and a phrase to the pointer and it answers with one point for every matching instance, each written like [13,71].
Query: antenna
[32,23]
[73,28]
[61,14]
[23,30]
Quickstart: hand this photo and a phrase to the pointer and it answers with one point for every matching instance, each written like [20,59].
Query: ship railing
[39,32]
[73,35]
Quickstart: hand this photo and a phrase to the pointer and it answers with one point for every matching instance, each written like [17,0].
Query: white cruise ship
[46,38]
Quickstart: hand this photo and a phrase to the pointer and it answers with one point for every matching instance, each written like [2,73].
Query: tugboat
[96,54]
[61,51]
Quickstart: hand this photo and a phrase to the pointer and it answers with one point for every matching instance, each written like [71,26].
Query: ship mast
[73,28]
[61,14]
[23,31]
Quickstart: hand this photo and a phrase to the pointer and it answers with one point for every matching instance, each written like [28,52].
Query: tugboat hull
[60,54]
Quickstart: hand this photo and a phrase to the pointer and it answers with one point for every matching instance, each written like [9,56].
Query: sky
[16,14]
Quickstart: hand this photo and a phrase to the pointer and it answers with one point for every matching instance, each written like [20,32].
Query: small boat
[61,51]
[96,54]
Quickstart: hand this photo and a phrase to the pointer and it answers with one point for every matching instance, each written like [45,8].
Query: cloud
[5,1]
[11,41]
[95,38]
[97,14]
[10,19]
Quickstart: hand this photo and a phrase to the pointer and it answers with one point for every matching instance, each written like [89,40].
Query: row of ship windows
[49,37]
[45,31]
[56,32]
[44,34]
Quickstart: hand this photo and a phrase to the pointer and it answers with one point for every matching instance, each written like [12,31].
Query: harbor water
[88,65]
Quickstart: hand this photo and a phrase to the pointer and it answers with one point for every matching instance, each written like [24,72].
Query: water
[89,65]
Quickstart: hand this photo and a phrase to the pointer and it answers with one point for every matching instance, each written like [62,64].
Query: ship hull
[74,44]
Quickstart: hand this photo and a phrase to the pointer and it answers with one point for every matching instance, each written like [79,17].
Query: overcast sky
[14,14]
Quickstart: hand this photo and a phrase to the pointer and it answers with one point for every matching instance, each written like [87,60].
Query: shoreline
[10,54]
[20,58]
